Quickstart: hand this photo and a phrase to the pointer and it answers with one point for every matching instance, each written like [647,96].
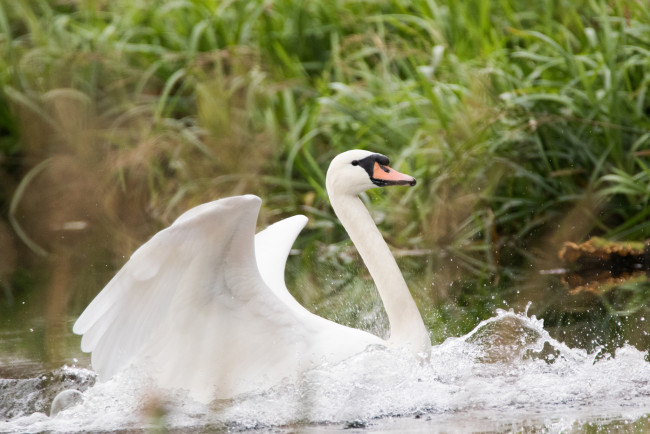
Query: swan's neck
[406,326]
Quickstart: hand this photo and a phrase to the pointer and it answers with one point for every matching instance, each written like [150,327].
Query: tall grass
[526,125]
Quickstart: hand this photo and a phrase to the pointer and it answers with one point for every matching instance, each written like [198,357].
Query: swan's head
[356,171]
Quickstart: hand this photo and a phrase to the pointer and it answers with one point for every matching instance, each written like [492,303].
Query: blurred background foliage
[525,123]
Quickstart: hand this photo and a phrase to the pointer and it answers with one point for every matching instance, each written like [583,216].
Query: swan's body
[203,305]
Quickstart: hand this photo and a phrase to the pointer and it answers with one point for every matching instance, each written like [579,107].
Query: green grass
[525,123]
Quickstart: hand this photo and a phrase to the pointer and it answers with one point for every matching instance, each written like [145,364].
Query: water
[506,374]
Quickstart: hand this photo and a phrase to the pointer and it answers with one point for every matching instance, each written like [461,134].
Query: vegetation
[525,123]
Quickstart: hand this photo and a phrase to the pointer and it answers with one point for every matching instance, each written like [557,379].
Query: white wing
[272,247]
[191,307]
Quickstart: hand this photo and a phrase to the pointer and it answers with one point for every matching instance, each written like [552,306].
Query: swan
[203,305]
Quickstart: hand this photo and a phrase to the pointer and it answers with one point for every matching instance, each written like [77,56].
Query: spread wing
[272,247]
[191,307]
[189,299]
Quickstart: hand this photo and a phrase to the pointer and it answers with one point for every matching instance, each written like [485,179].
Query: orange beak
[384,176]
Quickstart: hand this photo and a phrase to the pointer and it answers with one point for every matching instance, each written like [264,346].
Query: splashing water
[507,373]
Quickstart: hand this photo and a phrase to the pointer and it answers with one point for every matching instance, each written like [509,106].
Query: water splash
[507,372]
[30,395]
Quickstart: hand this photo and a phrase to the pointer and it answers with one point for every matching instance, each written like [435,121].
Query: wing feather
[129,309]
[272,247]
[191,307]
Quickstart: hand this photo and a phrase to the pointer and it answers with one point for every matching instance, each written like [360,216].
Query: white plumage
[203,304]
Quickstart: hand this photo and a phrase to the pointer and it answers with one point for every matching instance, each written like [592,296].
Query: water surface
[506,374]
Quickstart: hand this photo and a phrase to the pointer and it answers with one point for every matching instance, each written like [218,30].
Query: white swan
[203,304]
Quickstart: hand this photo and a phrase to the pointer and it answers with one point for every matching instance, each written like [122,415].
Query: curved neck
[406,326]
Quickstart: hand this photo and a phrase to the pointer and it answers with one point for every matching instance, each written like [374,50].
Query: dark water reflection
[27,349]
[597,315]
[603,319]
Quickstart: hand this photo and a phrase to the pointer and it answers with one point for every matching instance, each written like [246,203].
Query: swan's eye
[355,163]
